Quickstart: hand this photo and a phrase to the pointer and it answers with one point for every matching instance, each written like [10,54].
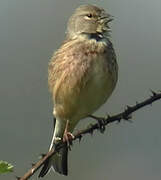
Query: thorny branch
[102,122]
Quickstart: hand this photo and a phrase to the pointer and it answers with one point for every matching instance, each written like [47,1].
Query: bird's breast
[85,83]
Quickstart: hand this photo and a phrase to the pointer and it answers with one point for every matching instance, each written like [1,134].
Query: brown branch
[102,122]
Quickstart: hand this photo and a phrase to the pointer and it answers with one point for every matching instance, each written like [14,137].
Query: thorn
[119,120]
[128,107]
[128,117]
[18,178]
[153,93]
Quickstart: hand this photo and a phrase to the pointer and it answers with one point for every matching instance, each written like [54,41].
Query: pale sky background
[30,30]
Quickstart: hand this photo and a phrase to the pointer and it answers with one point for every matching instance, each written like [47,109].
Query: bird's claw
[101,125]
[68,137]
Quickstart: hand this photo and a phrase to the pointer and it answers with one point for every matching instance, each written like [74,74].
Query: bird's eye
[89,15]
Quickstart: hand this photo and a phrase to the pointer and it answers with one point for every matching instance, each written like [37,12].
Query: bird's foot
[101,123]
[68,137]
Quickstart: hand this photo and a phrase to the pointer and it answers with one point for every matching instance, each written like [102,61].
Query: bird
[82,75]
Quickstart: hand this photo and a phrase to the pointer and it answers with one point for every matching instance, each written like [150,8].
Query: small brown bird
[82,75]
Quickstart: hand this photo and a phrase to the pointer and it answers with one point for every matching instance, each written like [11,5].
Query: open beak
[105,21]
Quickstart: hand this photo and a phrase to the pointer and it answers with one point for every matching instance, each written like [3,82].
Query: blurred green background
[30,30]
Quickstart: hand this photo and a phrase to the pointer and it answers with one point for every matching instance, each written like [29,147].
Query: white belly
[95,93]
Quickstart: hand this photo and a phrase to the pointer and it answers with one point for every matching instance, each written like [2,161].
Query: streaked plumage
[82,75]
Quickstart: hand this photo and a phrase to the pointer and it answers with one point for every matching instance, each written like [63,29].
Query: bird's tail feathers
[58,162]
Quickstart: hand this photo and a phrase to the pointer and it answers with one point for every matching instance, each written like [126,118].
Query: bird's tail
[58,162]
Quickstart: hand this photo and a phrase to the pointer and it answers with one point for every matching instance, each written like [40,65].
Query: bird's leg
[68,136]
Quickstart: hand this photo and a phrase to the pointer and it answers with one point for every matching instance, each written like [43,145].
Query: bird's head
[89,19]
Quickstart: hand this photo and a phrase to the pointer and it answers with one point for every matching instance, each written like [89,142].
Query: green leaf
[5,167]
